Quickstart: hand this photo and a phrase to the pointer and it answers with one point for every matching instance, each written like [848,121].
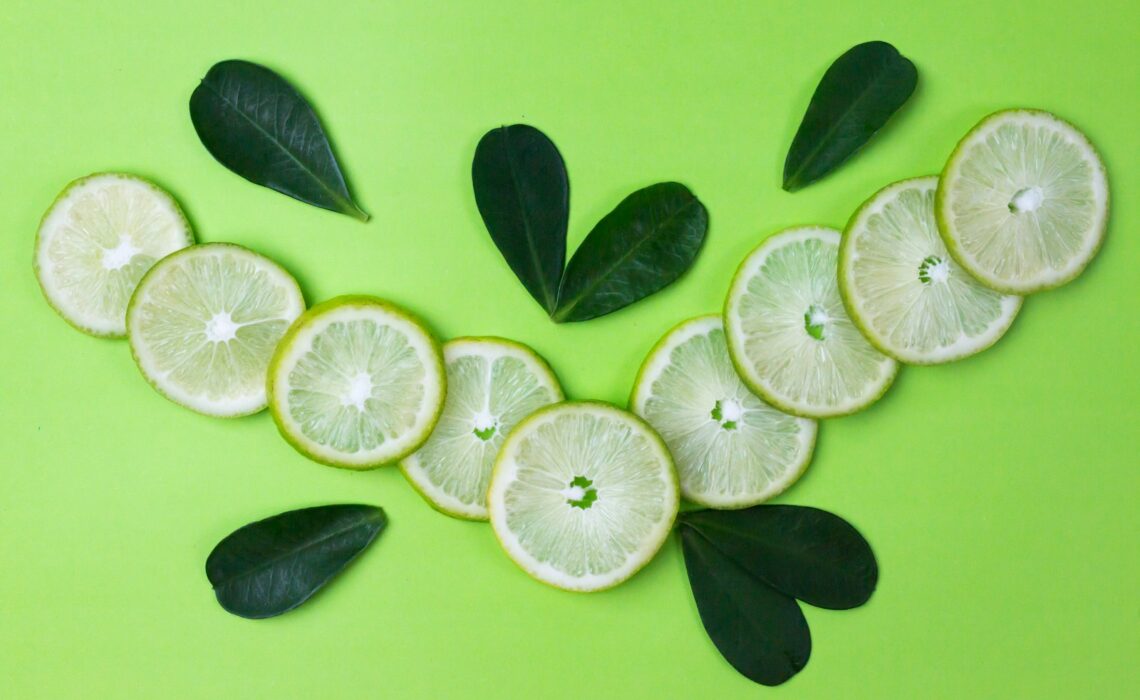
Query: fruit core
[580,493]
[359,390]
[1026,199]
[727,412]
[120,255]
[933,269]
[221,328]
[485,425]
[815,321]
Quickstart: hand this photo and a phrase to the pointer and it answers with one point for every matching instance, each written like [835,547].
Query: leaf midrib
[281,557]
[340,199]
[549,301]
[563,311]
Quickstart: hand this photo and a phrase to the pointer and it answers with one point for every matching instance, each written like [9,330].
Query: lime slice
[732,450]
[203,324]
[356,382]
[1023,201]
[582,495]
[789,335]
[95,243]
[902,288]
[492,384]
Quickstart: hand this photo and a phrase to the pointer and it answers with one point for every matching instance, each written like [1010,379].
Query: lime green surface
[999,492]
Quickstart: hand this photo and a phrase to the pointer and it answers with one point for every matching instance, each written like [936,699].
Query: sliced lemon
[97,240]
[356,382]
[492,384]
[582,495]
[204,322]
[732,450]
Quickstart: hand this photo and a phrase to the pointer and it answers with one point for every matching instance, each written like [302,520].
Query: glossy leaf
[803,552]
[257,125]
[273,565]
[758,630]
[523,194]
[855,98]
[644,244]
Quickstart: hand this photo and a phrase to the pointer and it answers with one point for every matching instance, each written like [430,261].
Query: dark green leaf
[803,552]
[273,565]
[258,126]
[758,630]
[523,194]
[641,246]
[856,96]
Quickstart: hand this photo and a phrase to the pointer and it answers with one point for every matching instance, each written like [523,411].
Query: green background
[999,493]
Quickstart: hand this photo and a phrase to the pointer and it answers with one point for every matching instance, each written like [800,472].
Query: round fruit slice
[789,335]
[1023,201]
[902,288]
[492,384]
[203,324]
[356,382]
[732,450]
[582,495]
[97,241]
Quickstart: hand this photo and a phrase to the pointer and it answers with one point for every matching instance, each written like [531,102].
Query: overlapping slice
[492,384]
[1022,203]
[902,288]
[356,382]
[97,240]
[732,450]
[582,495]
[790,337]
[203,324]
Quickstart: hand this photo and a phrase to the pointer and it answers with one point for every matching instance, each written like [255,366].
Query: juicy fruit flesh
[619,471]
[210,323]
[112,234]
[487,397]
[817,359]
[1022,202]
[359,385]
[921,313]
[738,450]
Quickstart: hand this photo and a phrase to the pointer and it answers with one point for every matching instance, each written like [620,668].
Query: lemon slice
[203,324]
[95,243]
[356,382]
[582,495]
[732,450]
[903,289]
[1023,201]
[492,384]
[789,335]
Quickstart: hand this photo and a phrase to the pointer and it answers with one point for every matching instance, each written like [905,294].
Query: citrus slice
[492,384]
[732,450]
[1023,201]
[902,288]
[356,382]
[203,324]
[582,495]
[789,335]
[95,243]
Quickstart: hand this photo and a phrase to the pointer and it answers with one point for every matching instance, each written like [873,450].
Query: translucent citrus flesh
[1024,201]
[789,335]
[357,383]
[905,290]
[205,322]
[731,448]
[97,241]
[582,495]
[491,386]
